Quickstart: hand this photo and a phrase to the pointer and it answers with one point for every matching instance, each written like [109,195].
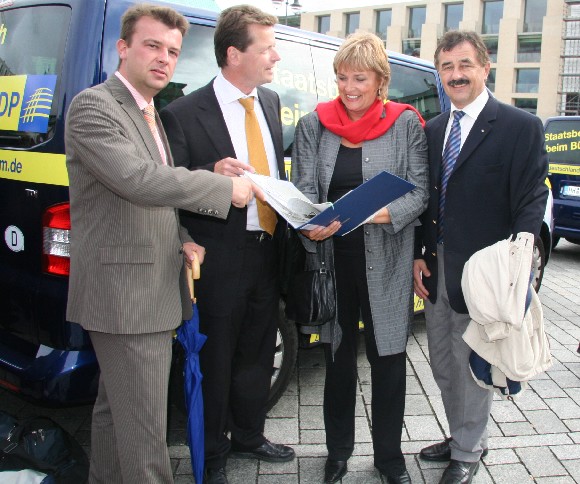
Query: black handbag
[311,298]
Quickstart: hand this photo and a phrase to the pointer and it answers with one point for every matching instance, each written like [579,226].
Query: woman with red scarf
[337,147]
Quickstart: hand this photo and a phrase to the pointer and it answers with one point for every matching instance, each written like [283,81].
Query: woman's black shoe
[334,470]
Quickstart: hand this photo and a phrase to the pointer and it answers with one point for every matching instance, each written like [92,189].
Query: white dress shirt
[234,113]
[471,111]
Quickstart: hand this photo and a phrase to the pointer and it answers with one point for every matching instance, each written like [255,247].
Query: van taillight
[56,240]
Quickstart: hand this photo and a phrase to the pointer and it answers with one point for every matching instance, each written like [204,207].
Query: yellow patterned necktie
[259,160]
[149,113]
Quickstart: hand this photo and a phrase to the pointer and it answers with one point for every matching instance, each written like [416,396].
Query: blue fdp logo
[38,96]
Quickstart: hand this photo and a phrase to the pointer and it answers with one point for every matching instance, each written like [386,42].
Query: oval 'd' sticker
[14,238]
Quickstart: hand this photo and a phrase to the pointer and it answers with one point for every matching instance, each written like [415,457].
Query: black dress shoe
[334,470]
[267,451]
[403,478]
[459,472]
[215,476]
[441,452]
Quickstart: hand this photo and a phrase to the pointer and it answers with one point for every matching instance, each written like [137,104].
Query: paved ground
[536,439]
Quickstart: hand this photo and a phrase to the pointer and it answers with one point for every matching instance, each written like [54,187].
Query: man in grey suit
[127,284]
[485,185]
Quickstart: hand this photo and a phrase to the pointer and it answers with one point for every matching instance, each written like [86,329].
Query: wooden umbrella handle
[193,272]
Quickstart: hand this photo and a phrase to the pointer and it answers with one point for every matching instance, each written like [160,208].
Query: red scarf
[375,122]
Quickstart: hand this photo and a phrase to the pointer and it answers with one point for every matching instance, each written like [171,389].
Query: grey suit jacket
[401,151]
[126,262]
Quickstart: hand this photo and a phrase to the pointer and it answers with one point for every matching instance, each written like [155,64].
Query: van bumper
[47,375]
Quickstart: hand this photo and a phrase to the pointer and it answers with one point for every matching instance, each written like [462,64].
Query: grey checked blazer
[126,264]
[401,151]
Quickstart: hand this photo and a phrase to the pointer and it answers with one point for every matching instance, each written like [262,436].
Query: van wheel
[538,263]
[284,357]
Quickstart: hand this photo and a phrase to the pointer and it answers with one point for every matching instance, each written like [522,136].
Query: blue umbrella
[192,340]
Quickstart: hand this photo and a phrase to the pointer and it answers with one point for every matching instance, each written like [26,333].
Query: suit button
[434,254]
[210,212]
[216,212]
[370,268]
[434,221]
[367,160]
[367,232]
[200,210]
[436,188]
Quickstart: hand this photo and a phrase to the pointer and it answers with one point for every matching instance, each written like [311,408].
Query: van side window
[294,82]
[195,68]
[32,43]
[412,85]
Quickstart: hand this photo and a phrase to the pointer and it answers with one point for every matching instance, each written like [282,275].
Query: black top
[347,176]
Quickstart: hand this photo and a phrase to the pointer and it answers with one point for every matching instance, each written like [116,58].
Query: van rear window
[32,43]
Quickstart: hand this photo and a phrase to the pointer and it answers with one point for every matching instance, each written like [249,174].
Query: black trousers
[388,375]
[237,358]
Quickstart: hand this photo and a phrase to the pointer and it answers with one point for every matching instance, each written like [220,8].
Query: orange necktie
[259,160]
[149,113]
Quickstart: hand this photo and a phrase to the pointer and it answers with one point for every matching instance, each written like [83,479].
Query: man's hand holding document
[351,210]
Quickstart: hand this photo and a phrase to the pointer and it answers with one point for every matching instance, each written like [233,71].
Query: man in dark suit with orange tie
[229,126]
[487,171]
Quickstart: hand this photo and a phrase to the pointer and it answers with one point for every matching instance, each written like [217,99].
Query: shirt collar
[139,99]
[474,109]
[228,93]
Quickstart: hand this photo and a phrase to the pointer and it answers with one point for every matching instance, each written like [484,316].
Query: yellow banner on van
[565,169]
[33,167]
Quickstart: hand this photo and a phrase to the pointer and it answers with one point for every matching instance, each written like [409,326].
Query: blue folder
[352,209]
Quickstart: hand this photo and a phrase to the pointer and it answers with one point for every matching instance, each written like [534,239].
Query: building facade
[534,45]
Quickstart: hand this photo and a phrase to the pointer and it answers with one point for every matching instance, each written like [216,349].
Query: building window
[416,21]
[352,21]
[527,80]
[412,47]
[323,24]
[453,15]
[383,22]
[491,44]
[492,14]
[490,83]
[529,48]
[529,105]
[534,15]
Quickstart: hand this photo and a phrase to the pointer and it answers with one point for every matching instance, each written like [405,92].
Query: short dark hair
[232,29]
[453,38]
[165,15]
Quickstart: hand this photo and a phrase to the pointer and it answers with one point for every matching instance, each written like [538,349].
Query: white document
[287,200]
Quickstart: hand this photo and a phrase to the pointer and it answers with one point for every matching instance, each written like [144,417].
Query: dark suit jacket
[496,189]
[199,137]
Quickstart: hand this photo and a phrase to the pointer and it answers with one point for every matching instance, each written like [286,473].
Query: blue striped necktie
[450,154]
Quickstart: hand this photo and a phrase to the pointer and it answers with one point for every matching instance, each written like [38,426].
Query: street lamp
[295,6]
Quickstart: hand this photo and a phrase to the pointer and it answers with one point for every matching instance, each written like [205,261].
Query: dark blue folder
[352,209]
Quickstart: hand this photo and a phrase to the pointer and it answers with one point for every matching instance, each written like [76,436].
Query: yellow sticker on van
[564,169]
[34,167]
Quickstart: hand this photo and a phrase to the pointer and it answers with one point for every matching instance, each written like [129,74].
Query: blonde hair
[365,52]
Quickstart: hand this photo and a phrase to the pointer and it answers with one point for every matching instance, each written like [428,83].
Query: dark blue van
[50,51]
[562,138]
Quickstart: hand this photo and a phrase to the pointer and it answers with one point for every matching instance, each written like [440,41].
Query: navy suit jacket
[199,137]
[497,188]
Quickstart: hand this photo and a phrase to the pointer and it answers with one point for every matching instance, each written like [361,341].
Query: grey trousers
[467,405]
[129,427]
